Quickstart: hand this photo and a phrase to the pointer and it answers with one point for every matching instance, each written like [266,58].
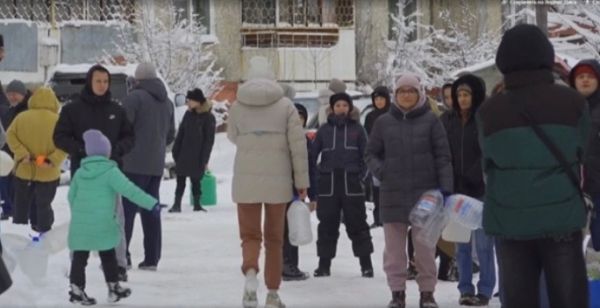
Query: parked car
[67,81]
[310,100]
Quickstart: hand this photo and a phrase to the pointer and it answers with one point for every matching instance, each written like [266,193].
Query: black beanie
[302,111]
[524,47]
[341,96]
[196,95]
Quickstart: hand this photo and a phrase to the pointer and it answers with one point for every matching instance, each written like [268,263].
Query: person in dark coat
[408,151]
[341,142]
[468,93]
[18,96]
[532,207]
[381,104]
[95,109]
[192,148]
[585,78]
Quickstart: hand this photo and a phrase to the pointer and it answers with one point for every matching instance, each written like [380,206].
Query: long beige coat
[271,157]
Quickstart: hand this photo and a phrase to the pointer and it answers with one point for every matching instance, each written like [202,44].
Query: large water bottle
[431,232]
[465,210]
[299,227]
[33,260]
[425,209]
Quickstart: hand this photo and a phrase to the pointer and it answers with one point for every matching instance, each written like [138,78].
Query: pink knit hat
[413,81]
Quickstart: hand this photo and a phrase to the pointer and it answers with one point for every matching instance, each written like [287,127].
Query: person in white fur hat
[271,158]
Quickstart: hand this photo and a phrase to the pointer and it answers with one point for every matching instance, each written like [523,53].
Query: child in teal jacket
[92,198]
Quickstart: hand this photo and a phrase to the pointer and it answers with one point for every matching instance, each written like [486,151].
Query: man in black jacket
[95,109]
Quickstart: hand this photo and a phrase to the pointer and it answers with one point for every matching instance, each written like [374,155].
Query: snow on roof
[475,67]
[128,69]
[16,21]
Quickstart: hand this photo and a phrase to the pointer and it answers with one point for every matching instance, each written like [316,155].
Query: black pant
[38,197]
[79,262]
[290,252]
[561,259]
[151,224]
[180,188]
[376,217]
[344,196]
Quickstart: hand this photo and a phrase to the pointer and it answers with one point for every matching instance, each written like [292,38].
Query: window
[261,12]
[64,10]
[202,13]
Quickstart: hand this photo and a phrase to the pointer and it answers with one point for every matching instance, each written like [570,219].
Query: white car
[67,81]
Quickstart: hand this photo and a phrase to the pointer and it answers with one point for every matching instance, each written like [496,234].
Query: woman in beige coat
[270,161]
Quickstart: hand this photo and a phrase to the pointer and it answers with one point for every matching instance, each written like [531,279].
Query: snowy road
[200,265]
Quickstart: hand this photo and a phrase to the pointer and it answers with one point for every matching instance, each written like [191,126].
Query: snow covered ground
[201,258]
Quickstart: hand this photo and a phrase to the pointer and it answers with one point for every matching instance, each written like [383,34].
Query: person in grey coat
[409,153]
[150,112]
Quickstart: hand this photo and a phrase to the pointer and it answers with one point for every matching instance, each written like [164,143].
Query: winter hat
[196,95]
[17,86]
[381,91]
[524,47]
[260,68]
[413,81]
[145,71]
[337,86]
[464,87]
[96,144]
[302,111]
[585,68]
[288,91]
[341,96]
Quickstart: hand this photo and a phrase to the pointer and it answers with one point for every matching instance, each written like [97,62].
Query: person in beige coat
[271,158]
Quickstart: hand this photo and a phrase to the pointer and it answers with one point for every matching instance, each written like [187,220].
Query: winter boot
[398,300]
[292,273]
[197,206]
[147,267]
[324,268]
[176,205]
[482,300]
[427,300]
[250,300]
[366,267]
[467,299]
[116,292]
[77,296]
[273,300]
[122,274]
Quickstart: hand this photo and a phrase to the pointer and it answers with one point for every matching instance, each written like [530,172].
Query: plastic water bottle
[34,260]
[430,234]
[430,202]
[465,210]
[299,227]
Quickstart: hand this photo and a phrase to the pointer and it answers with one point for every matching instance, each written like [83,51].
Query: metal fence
[51,11]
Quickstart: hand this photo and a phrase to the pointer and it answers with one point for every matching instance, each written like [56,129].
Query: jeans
[561,259]
[484,245]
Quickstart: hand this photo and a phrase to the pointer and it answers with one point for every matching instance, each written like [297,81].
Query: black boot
[197,206]
[323,269]
[292,273]
[176,205]
[116,292]
[398,300]
[77,295]
[366,266]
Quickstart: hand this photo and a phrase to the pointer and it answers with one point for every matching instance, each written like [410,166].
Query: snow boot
[78,296]
[398,300]
[116,292]
[292,273]
[273,300]
[467,299]
[147,267]
[176,208]
[481,300]
[324,268]
[250,300]
[197,206]
[366,266]
[427,300]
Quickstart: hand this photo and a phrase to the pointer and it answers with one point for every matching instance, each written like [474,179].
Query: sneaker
[412,272]
[481,300]
[367,273]
[322,272]
[427,300]
[146,267]
[292,273]
[273,300]
[78,296]
[398,300]
[250,300]
[122,276]
[116,292]
[467,299]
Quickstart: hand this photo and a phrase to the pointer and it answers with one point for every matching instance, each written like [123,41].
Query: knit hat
[196,95]
[341,96]
[384,92]
[17,86]
[464,87]
[96,144]
[145,71]
[302,111]
[413,81]
[337,86]
[585,68]
[524,47]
